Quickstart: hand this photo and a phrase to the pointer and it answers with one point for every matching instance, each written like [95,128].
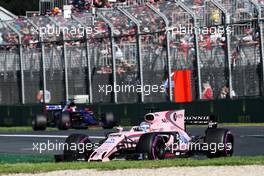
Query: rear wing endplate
[53,107]
[209,120]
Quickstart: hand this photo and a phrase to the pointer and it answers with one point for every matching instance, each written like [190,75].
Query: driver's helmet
[72,104]
[72,107]
[144,126]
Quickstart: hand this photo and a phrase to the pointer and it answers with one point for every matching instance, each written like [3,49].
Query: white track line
[43,136]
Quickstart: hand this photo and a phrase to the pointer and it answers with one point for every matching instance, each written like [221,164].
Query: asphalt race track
[249,141]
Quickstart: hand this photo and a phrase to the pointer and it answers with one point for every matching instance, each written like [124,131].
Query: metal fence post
[261,45]
[64,55]
[89,71]
[228,47]
[43,59]
[114,82]
[88,58]
[261,40]
[228,55]
[139,53]
[22,71]
[66,77]
[140,64]
[43,63]
[166,21]
[198,62]
[21,63]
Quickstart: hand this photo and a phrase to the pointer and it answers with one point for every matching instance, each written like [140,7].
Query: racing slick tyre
[108,120]
[64,121]
[79,148]
[153,145]
[39,122]
[220,142]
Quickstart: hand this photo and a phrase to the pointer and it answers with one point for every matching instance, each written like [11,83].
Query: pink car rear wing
[200,120]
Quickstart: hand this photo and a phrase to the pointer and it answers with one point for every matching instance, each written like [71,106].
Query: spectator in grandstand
[2,42]
[261,2]
[119,54]
[206,46]
[101,3]
[217,38]
[216,17]
[54,12]
[197,2]
[10,38]
[256,35]
[184,47]
[249,36]
[104,70]
[120,70]
[77,3]
[81,5]
[207,92]
[224,92]
[127,67]
[235,55]
[40,96]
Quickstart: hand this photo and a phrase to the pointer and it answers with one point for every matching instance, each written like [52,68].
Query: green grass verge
[16,158]
[29,129]
[112,165]
[20,129]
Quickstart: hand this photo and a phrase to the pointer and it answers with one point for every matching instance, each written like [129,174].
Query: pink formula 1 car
[162,135]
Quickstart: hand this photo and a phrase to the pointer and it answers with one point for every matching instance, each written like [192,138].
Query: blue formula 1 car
[69,116]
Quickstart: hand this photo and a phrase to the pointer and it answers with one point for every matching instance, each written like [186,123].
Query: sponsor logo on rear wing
[199,120]
[53,107]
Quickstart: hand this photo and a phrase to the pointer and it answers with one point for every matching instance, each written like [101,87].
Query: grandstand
[46,5]
[131,43]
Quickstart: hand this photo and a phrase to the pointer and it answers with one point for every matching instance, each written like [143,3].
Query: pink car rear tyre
[222,141]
